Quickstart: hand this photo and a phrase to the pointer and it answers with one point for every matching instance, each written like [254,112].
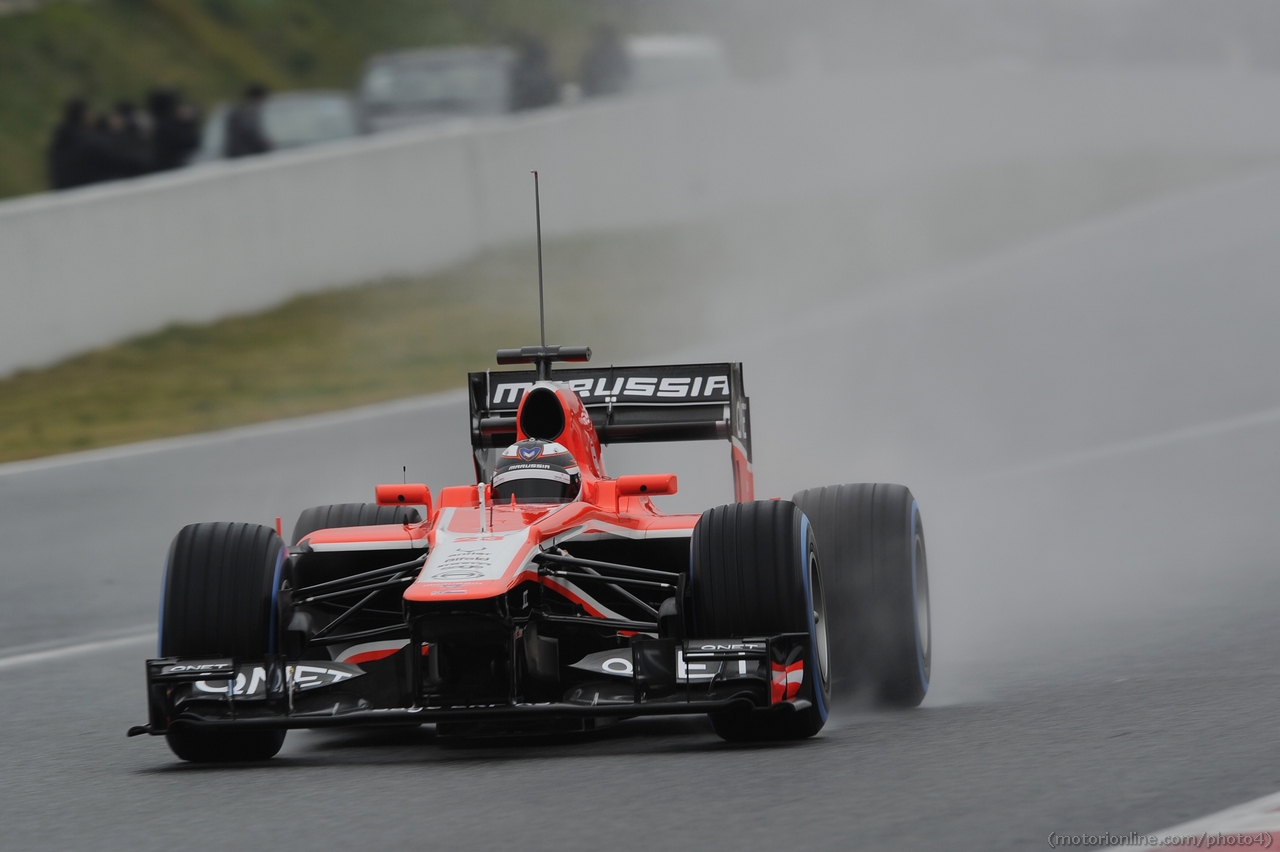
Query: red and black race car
[549,597]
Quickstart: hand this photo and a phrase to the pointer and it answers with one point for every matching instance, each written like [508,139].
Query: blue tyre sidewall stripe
[915,607]
[813,628]
[690,596]
[273,626]
[164,590]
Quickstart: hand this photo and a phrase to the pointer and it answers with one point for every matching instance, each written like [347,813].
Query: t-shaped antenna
[537,212]
[542,356]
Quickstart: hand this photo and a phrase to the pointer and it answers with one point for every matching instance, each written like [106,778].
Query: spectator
[67,158]
[245,135]
[176,133]
[606,68]
[124,142]
[533,82]
[132,143]
[102,156]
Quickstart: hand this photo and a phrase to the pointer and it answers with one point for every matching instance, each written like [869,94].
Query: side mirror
[646,484]
[412,494]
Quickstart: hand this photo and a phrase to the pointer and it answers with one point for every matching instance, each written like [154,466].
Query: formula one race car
[549,597]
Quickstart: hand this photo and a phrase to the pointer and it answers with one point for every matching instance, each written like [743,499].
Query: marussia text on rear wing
[675,402]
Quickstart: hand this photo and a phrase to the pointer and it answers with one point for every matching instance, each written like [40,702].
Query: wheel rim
[819,614]
[923,625]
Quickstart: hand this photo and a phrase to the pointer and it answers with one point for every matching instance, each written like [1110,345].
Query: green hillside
[107,50]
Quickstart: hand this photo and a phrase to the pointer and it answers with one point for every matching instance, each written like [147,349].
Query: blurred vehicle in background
[290,120]
[534,82]
[421,86]
[606,66]
[664,63]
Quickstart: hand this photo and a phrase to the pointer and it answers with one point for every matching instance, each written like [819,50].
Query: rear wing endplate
[628,405]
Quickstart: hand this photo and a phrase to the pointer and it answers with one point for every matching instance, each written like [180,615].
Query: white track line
[274,427]
[1253,825]
[1149,442]
[43,656]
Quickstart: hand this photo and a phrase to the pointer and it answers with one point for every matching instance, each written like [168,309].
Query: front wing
[660,677]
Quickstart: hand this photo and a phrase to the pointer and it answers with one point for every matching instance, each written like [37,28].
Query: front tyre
[756,572]
[219,601]
[224,746]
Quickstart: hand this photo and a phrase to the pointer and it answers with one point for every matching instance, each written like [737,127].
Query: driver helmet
[536,471]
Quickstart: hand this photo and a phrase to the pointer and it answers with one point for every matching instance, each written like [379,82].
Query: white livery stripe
[396,544]
[531,473]
[370,650]
[597,528]
[575,591]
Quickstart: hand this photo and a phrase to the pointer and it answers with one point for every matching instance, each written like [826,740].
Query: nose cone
[467,563]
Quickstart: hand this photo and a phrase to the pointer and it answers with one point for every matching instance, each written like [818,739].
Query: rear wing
[628,405]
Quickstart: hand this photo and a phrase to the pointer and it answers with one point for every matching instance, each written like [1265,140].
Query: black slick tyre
[219,601]
[352,515]
[755,572]
[872,541]
[224,746]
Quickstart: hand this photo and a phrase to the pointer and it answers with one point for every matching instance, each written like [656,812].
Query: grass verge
[349,346]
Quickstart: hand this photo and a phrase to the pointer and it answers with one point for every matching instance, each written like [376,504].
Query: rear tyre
[219,601]
[872,541]
[755,572]
[352,515]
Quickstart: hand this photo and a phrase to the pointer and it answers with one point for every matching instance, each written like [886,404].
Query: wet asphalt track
[1092,424]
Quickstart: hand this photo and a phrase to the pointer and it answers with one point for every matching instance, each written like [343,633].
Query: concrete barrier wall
[88,267]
